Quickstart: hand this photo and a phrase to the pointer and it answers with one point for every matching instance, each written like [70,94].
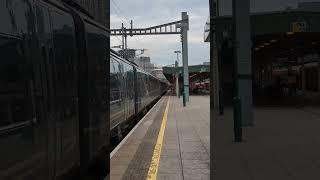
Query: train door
[124,94]
[46,58]
[136,95]
[117,113]
[140,89]
[131,89]
[22,151]
[65,88]
[127,90]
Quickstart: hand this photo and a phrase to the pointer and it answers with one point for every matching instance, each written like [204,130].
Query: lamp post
[177,74]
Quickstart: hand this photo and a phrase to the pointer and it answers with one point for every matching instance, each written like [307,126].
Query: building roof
[192,69]
[267,23]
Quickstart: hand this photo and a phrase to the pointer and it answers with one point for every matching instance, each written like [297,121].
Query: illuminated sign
[299,26]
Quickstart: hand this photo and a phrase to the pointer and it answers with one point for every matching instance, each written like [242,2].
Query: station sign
[300,26]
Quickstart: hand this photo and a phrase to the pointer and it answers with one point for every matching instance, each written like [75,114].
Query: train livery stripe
[154,165]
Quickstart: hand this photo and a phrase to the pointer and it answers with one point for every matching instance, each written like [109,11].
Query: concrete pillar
[242,47]
[318,74]
[215,78]
[303,78]
[185,28]
[177,84]
[318,71]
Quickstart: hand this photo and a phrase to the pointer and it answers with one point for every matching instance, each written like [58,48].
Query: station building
[285,55]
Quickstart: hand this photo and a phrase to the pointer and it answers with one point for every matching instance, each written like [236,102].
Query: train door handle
[34,121]
[76,100]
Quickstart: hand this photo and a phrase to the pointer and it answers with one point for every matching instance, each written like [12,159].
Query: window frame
[115,72]
[13,126]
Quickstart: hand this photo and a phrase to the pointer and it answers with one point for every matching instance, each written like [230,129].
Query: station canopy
[284,35]
[202,70]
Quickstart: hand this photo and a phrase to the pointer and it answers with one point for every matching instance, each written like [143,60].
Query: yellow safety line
[154,165]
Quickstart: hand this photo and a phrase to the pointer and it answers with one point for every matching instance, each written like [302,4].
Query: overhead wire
[118,11]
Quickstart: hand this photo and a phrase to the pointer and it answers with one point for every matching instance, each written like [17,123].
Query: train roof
[114,53]
[83,13]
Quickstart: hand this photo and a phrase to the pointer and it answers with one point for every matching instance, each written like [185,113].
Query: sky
[146,13]
[160,48]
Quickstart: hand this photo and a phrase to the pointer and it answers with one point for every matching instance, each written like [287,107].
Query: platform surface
[185,145]
[284,144]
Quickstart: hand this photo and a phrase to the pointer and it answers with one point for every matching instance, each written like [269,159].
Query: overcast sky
[146,13]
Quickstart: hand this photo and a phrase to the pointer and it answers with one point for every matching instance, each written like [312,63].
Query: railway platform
[283,144]
[170,142]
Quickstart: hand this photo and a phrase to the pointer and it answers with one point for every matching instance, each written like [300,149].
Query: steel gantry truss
[177,27]
[169,28]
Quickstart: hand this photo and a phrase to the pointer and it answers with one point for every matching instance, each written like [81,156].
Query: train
[132,92]
[56,107]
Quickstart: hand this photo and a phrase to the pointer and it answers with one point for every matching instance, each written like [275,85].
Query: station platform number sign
[299,26]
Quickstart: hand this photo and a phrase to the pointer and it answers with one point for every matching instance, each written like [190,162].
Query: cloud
[146,13]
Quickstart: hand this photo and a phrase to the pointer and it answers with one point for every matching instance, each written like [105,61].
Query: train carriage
[132,91]
[54,95]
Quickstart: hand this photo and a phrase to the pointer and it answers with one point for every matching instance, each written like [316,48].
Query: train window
[64,52]
[43,26]
[14,96]
[114,81]
[130,80]
[16,17]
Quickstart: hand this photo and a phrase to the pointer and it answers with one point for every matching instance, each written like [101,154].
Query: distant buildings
[158,72]
[145,63]
[128,53]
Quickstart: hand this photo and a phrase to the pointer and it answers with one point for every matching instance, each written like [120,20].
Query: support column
[242,48]
[177,81]
[215,78]
[214,61]
[185,28]
[220,77]
[177,85]
[318,72]
[303,77]
[122,32]
[125,42]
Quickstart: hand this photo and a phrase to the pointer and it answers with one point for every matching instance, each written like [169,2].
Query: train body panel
[122,95]
[95,94]
[131,92]
[54,99]
[17,106]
